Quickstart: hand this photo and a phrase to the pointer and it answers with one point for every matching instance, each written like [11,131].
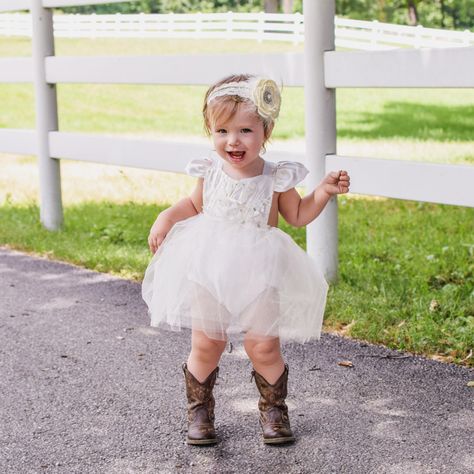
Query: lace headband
[264,93]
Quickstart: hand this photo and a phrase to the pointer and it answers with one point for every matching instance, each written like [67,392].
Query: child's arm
[300,212]
[183,209]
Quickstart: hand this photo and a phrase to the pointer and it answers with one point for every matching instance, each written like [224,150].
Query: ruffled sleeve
[288,175]
[198,167]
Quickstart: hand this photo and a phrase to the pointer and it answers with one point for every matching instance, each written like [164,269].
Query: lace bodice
[247,200]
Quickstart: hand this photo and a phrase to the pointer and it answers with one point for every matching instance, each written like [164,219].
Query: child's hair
[223,108]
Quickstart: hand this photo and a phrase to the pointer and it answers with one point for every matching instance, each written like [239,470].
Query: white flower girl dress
[227,271]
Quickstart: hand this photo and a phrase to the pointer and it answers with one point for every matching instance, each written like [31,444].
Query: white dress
[227,271]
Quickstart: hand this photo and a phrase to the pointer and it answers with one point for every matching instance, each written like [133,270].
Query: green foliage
[167,6]
[449,14]
[209,6]
[138,6]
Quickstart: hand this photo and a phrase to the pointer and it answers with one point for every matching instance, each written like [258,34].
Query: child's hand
[156,237]
[336,182]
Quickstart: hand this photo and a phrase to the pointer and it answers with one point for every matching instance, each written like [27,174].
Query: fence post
[296,27]
[261,27]
[198,31]
[8,23]
[117,23]
[374,36]
[93,25]
[171,22]
[229,15]
[467,37]
[418,36]
[51,210]
[320,123]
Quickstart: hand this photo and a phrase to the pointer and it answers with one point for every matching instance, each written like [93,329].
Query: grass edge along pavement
[406,289]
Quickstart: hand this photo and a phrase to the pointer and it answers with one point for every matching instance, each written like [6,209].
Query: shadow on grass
[411,120]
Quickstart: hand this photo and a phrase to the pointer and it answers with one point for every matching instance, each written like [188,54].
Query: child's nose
[233,139]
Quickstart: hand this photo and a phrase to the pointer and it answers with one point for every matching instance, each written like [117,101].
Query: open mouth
[236,156]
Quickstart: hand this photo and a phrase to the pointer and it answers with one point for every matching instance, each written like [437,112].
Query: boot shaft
[197,392]
[272,395]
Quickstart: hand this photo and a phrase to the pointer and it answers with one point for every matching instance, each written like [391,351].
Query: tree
[271,6]
[412,13]
[288,6]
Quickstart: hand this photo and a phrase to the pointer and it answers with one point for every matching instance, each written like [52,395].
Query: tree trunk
[287,6]
[381,13]
[412,13]
[442,12]
[271,6]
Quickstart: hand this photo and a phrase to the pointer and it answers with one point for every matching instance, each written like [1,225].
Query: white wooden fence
[352,34]
[320,70]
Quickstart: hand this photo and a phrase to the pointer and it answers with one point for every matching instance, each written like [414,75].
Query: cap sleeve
[288,175]
[198,167]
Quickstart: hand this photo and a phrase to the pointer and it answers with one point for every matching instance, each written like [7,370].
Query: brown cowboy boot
[273,410]
[200,408]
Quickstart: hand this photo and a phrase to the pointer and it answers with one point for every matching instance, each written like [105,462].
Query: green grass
[406,269]
[145,47]
[407,275]
[427,115]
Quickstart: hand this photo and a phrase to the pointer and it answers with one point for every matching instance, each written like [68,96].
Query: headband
[264,93]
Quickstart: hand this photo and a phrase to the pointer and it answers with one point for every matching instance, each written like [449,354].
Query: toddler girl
[222,266]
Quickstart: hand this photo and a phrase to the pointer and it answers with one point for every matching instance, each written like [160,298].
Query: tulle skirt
[223,278]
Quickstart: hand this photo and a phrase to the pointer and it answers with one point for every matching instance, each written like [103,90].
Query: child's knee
[205,345]
[263,350]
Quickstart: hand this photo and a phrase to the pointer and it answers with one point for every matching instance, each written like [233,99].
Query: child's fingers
[333,177]
[151,246]
[344,181]
[154,241]
[343,175]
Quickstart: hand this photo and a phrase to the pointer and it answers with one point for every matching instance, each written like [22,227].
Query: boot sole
[279,440]
[201,442]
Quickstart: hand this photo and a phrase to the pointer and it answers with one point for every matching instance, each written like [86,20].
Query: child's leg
[265,354]
[200,375]
[271,377]
[205,354]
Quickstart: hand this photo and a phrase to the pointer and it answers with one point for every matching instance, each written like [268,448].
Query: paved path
[87,387]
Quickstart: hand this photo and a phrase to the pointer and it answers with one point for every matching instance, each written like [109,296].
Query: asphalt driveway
[88,387]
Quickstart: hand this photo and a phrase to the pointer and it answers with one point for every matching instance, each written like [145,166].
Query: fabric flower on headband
[264,93]
[267,98]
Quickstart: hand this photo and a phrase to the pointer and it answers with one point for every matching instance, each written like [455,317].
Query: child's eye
[221,130]
[246,130]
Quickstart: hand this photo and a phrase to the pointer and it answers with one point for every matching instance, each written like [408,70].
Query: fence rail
[351,34]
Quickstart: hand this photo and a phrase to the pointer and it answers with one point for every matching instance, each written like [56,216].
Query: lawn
[406,268]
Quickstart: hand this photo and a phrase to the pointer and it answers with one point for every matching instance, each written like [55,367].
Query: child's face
[240,139]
